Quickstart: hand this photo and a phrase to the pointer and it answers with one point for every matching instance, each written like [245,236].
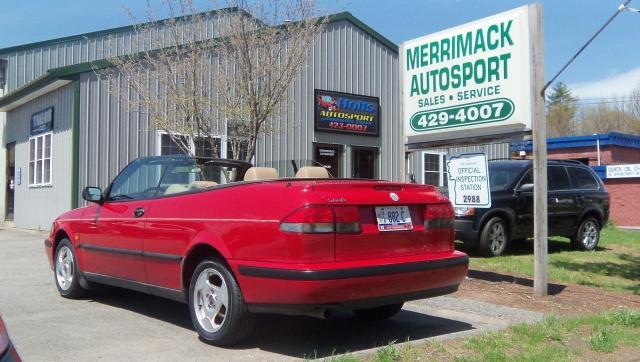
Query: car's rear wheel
[494,237]
[66,271]
[379,313]
[216,305]
[587,234]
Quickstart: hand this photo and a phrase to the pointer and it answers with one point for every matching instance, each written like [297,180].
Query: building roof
[53,76]
[605,139]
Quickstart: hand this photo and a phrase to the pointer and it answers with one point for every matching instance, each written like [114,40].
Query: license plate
[393,218]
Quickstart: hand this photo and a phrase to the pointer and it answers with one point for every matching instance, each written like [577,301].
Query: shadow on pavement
[298,336]
[527,282]
[525,247]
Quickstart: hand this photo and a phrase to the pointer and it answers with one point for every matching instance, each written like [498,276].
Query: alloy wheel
[211,300]
[589,234]
[64,268]
[497,236]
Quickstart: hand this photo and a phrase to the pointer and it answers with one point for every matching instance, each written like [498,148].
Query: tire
[218,311]
[494,237]
[587,234]
[379,313]
[65,273]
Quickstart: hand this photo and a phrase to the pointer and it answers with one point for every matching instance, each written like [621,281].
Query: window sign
[346,113]
[42,121]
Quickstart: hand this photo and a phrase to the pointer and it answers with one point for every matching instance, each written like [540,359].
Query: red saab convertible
[233,240]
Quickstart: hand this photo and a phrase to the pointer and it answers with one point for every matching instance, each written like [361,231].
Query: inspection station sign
[469,181]
[476,78]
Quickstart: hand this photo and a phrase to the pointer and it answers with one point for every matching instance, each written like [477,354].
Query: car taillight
[4,338]
[438,216]
[319,219]
[347,219]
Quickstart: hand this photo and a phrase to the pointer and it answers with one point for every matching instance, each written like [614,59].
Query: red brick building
[600,151]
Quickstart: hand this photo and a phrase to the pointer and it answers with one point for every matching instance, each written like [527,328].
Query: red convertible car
[232,240]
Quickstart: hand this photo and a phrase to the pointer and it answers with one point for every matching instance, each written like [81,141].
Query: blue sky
[611,66]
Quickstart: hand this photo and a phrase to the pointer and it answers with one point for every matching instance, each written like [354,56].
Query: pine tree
[561,111]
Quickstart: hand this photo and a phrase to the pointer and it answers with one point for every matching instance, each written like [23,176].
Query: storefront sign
[623,171]
[346,113]
[475,78]
[42,121]
[469,181]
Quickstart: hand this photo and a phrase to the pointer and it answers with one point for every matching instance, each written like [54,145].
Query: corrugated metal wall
[35,208]
[492,150]
[25,65]
[344,59]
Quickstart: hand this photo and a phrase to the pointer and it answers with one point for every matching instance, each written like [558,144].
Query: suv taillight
[320,219]
[438,216]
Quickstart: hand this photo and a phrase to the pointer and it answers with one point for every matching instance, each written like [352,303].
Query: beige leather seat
[199,185]
[312,172]
[260,173]
[176,189]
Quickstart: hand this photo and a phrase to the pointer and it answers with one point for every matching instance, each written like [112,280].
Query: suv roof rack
[508,159]
[569,161]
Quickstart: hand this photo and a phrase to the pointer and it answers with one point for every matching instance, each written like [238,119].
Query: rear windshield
[503,174]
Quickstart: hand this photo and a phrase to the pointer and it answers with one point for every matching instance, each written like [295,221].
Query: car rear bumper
[465,231]
[350,284]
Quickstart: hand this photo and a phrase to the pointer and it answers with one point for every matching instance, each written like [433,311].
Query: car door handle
[138,212]
[554,200]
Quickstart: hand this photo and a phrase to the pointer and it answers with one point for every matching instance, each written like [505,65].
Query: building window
[200,146]
[434,166]
[40,160]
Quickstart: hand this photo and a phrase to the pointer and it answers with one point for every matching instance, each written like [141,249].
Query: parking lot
[122,325]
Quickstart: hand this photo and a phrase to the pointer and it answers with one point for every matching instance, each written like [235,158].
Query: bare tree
[266,47]
[609,116]
[194,82]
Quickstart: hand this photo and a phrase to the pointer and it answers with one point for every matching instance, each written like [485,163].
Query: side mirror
[92,194]
[525,188]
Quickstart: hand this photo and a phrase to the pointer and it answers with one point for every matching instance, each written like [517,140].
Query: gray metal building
[63,130]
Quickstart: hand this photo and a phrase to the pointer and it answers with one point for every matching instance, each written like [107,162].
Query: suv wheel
[587,235]
[494,237]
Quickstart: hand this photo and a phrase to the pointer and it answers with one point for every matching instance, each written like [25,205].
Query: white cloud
[619,85]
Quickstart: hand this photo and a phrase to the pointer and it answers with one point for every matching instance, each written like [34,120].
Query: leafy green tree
[561,111]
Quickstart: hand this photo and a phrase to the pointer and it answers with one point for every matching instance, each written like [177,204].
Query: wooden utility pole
[540,220]
[540,228]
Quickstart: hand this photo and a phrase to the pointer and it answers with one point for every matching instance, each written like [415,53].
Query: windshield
[504,174]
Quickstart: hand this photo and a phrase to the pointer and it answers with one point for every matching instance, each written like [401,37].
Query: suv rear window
[582,179]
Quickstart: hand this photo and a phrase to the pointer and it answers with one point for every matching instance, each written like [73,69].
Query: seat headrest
[260,173]
[312,172]
[176,189]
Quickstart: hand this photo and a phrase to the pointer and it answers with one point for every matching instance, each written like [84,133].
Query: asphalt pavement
[117,324]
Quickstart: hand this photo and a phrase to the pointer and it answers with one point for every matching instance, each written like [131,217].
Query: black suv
[578,206]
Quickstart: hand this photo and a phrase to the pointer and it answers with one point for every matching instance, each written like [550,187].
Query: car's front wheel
[379,313]
[66,271]
[216,305]
[494,237]
[587,235]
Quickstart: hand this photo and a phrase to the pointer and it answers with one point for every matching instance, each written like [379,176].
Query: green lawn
[595,336]
[615,265]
